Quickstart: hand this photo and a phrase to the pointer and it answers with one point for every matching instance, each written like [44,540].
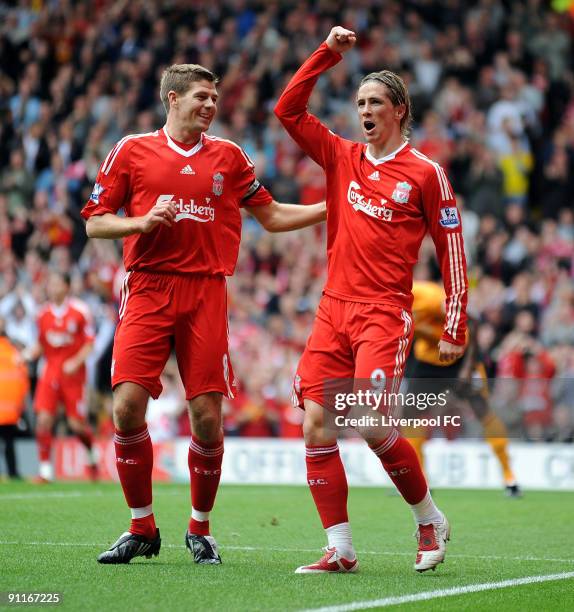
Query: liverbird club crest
[402,192]
[218,184]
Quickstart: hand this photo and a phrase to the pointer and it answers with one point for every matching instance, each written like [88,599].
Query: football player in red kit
[65,339]
[382,198]
[181,191]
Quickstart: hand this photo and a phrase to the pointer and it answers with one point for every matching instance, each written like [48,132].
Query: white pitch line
[48,495]
[297,550]
[405,554]
[426,595]
[65,494]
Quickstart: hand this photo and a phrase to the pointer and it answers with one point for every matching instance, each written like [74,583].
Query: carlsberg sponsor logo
[359,202]
[188,209]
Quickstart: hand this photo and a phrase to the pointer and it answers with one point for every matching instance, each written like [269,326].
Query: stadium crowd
[492,85]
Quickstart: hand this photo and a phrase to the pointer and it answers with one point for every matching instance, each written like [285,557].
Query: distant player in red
[382,198]
[65,339]
[181,192]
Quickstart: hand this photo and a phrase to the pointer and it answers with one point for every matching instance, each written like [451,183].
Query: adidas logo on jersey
[187,170]
[375,176]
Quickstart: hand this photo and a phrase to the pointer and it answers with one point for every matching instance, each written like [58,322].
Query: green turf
[50,537]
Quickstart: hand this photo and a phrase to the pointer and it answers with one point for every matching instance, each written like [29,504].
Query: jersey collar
[175,147]
[382,160]
[61,310]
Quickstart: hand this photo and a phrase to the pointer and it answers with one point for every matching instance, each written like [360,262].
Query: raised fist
[340,39]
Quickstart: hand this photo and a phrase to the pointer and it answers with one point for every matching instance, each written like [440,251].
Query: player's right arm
[109,225]
[291,109]
[111,193]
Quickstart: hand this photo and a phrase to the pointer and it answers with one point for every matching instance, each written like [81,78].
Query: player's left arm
[445,228]
[273,216]
[279,217]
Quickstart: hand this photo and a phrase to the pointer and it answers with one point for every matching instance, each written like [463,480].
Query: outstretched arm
[109,225]
[278,217]
[309,133]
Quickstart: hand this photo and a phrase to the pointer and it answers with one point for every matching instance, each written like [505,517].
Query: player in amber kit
[464,378]
[65,339]
[382,198]
[15,386]
[181,191]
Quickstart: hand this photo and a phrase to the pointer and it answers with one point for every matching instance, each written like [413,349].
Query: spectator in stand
[516,164]
[14,383]
[17,182]
[536,369]
[563,394]
[255,413]
[558,321]
[18,309]
[434,141]
[484,183]
[557,181]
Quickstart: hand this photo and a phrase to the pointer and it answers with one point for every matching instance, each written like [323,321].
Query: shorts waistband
[385,303]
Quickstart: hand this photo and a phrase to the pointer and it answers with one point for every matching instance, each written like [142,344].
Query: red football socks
[44,441]
[144,526]
[328,483]
[134,460]
[403,466]
[204,462]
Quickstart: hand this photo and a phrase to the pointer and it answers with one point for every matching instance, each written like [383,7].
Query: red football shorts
[353,344]
[68,391]
[161,312]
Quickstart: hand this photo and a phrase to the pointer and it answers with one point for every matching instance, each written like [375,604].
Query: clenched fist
[340,39]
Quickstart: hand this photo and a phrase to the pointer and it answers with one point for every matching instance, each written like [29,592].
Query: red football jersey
[209,183]
[62,332]
[378,210]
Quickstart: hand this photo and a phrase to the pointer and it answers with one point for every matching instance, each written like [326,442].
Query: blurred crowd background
[492,86]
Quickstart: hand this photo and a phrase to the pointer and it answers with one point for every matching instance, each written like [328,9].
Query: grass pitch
[50,537]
